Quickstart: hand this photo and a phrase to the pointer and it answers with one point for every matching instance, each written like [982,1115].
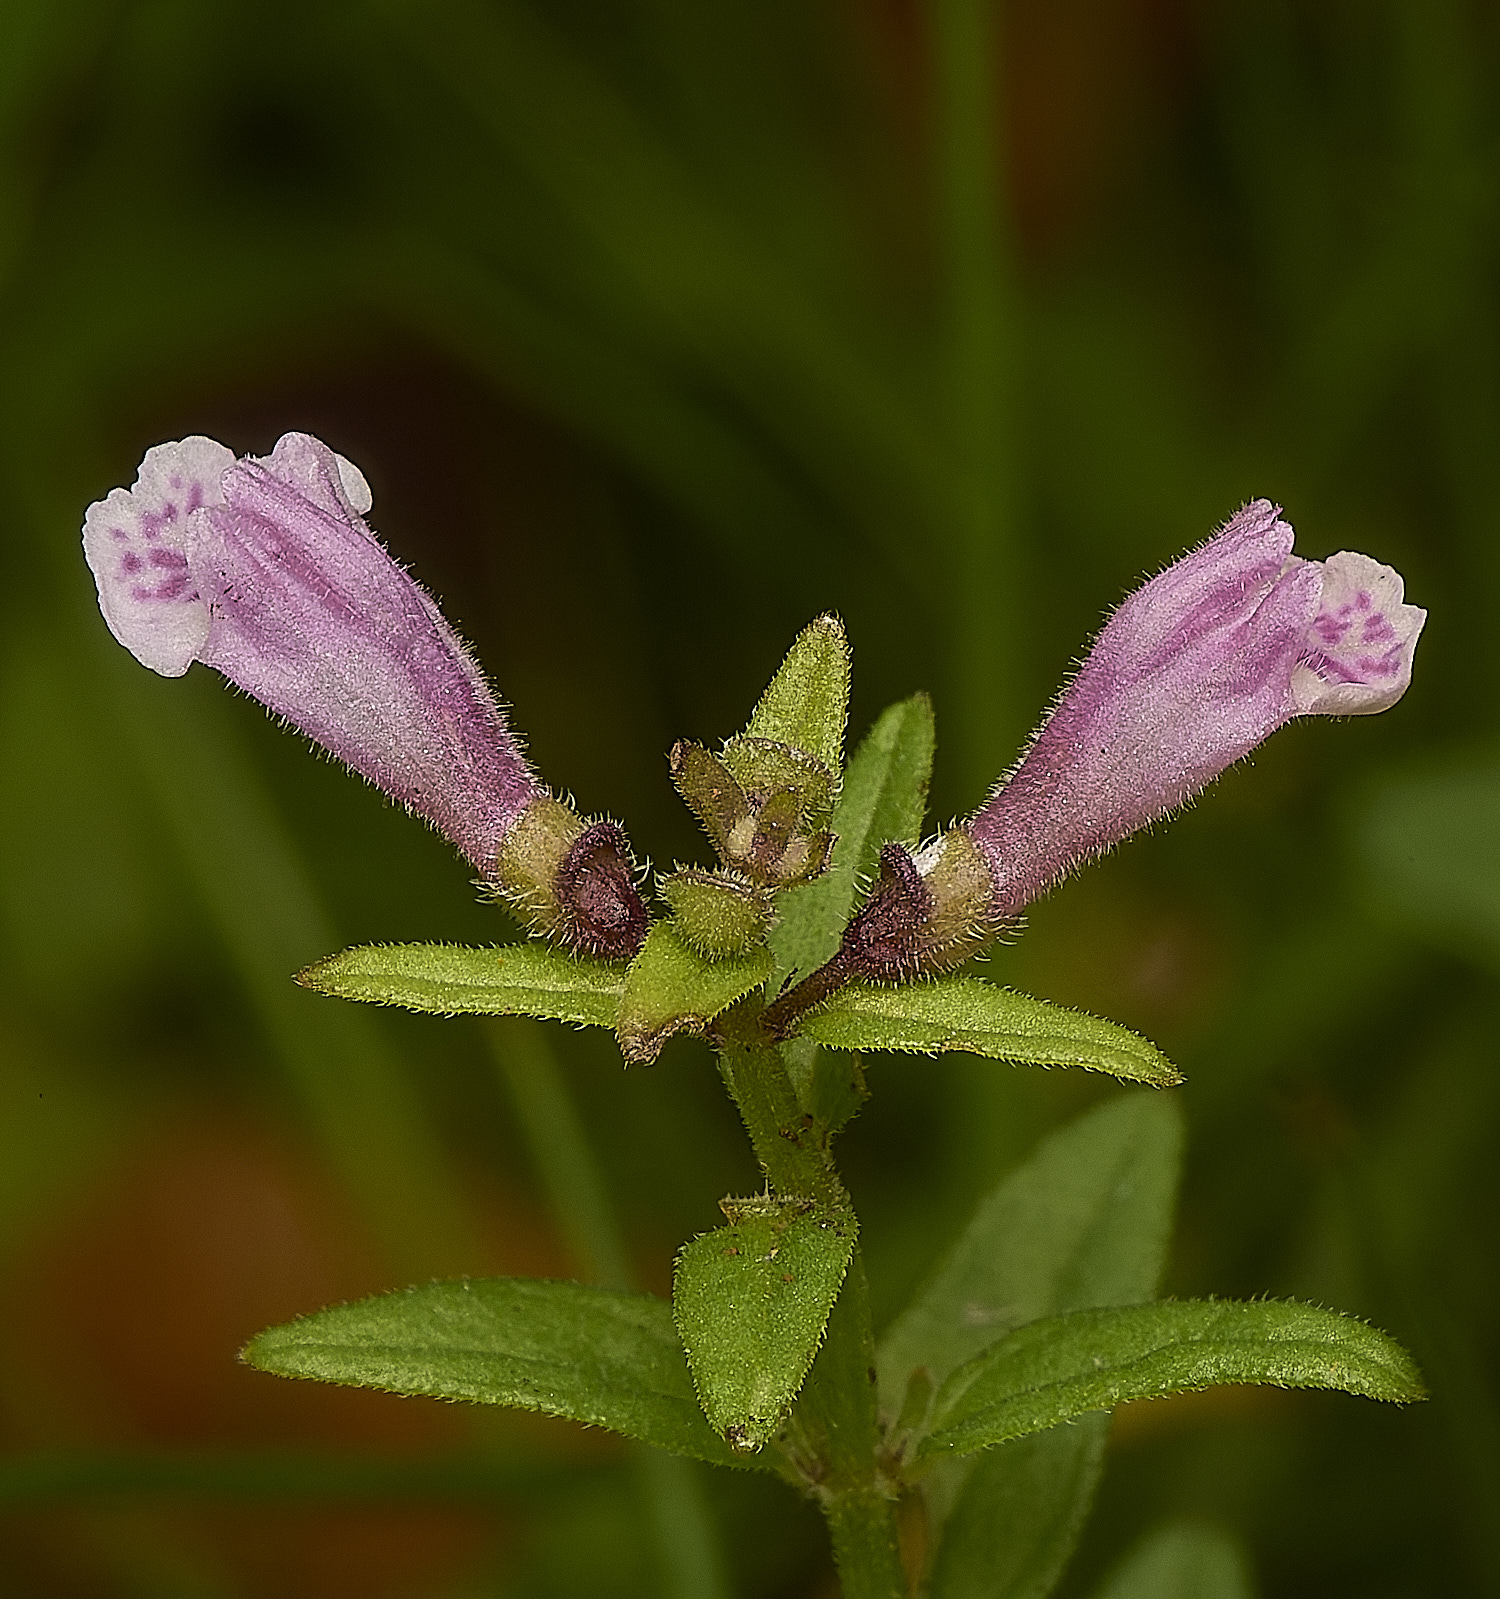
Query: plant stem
[833,1434]
[791,1148]
[865,1547]
[836,1432]
[779,1017]
[685,1540]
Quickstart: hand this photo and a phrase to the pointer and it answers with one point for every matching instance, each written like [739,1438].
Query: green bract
[752,1300]
[806,704]
[966,1013]
[671,988]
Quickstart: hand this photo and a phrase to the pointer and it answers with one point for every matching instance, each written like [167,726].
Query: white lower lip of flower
[355,485]
[1361,642]
[135,541]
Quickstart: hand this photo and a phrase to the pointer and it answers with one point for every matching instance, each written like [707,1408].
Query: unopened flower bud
[718,913]
[763,805]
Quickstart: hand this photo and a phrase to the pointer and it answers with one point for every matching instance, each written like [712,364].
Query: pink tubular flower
[266,571]
[1195,669]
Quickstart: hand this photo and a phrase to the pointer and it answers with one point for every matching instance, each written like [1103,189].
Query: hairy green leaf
[515,980]
[884,798]
[752,1300]
[594,1355]
[671,988]
[807,702]
[967,1013]
[1084,1222]
[1051,1370]
[1184,1560]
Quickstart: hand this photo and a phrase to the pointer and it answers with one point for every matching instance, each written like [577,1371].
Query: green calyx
[573,881]
[961,889]
[766,800]
[718,913]
[531,856]
[773,836]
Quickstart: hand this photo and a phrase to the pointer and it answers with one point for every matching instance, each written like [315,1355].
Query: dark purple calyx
[885,940]
[573,881]
[927,913]
[602,914]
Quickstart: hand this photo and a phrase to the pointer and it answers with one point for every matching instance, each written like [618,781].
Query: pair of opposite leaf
[265,569]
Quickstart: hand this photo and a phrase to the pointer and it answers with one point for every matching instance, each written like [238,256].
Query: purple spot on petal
[130,563]
[173,588]
[194,499]
[152,522]
[167,558]
[1377,629]
[119,535]
[1387,665]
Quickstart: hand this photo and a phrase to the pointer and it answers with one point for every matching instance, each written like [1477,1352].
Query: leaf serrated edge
[1405,1364]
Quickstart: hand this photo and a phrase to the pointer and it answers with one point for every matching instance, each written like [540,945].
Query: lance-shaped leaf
[1084,1222]
[516,980]
[1183,1560]
[1052,1370]
[806,704]
[966,1013]
[884,797]
[752,1300]
[671,988]
[1020,1513]
[594,1355]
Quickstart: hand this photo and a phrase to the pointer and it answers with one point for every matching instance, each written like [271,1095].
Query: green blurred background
[659,327]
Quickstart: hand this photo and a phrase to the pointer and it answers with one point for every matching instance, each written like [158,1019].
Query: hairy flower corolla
[266,570]
[1194,670]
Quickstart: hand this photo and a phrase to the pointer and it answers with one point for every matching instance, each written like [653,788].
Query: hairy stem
[865,1547]
[835,1438]
[832,1439]
[791,1148]
[779,1018]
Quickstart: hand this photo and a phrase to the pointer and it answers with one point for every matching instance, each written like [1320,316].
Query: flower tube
[265,570]
[1193,670]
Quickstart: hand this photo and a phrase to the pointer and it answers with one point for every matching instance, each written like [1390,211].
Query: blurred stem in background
[357,1095]
[986,572]
[686,1541]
